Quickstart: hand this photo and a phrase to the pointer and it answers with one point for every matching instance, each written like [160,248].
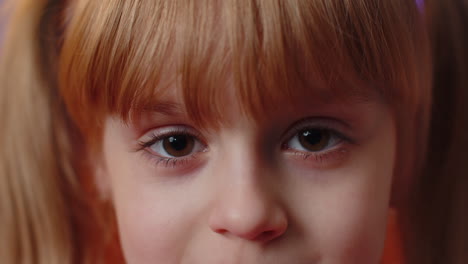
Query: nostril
[267,236]
[254,217]
[220,231]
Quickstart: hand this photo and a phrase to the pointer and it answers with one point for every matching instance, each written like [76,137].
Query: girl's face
[309,183]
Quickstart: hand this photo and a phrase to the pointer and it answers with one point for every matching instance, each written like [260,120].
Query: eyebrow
[170,108]
[164,107]
[372,92]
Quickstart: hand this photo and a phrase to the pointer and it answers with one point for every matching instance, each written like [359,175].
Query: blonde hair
[36,224]
[68,65]
[41,200]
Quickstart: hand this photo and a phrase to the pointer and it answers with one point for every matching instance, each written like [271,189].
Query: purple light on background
[420,4]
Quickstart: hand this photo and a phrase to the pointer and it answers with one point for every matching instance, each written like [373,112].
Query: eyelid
[156,134]
[156,159]
[337,127]
[328,158]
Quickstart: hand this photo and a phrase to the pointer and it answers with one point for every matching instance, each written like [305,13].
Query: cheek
[151,221]
[147,236]
[347,223]
[353,227]
[153,225]
[346,213]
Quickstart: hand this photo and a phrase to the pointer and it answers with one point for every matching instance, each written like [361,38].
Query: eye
[172,143]
[175,146]
[313,140]
[318,143]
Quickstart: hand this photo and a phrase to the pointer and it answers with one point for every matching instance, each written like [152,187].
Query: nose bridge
[247,205]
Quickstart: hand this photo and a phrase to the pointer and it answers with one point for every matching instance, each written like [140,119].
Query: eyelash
[334,152]
[319,157]
[170,162]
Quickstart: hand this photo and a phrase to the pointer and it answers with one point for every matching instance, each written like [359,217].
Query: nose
[249,211]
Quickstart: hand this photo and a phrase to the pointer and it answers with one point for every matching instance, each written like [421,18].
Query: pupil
[178,143]
[313,137]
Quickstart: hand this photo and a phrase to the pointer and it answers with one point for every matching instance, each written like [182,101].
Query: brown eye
[178,145]
[314,139]
[173,143]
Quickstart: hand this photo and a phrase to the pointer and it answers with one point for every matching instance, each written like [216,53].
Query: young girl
[209,131]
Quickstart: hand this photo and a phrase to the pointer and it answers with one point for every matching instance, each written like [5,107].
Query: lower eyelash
[166,162]
[329,157]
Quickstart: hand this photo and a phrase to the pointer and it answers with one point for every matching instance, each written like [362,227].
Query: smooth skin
[305,186]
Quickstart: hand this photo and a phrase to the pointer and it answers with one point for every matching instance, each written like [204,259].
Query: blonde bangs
[120,57]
